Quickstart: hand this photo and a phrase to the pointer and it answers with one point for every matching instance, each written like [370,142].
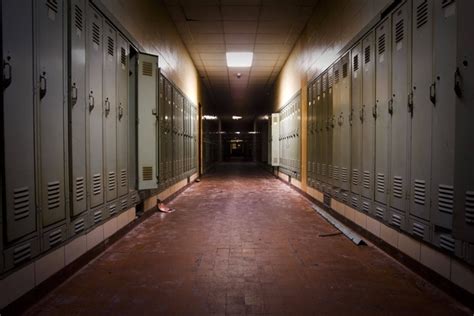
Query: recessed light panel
[239,59]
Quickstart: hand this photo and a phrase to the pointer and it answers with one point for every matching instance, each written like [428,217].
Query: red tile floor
[242,242]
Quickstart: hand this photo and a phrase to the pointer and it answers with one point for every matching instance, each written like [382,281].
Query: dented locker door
[343,122]
[94,104]
[110,110]
[400,135]
[122,113]
[51,109]
[356,117]
[368,116]
[18,118]
[78,107]
[383,101]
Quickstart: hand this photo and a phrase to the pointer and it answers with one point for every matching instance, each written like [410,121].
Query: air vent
[366,180]
[21,253]
[398,187]
[469,207]
[344,70]
[110,46]
[147,173]
[399,31]
[123,56]
[21,203]
[124,204]
[330,79]
[134,198]
[379,212]
[420,192]
[80,190]
[147,69]
[380,182]
[445,198]
[79,226]
[97,217]
[365,206]
[55,238]
[52,5]
[367,54]
[447,242]
[355,177]
[355,63]
[78,18]
[323,170]
[345,198]
[54,195]
[123,178]
[344,175]
[111,181]
[418,230]
[422,14]
[97,184]
[112,209]
[95,33]
[335,172]
[396,220]
[445,3]
[381,44]
[355,202]
[336,76]
[318,168]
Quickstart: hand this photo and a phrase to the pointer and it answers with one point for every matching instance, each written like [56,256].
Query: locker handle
[350,117]
[361,114]
[74,94]
[107,106]
[91,102]
[120,111]
[433,93]
[410,103]
[390,106]
[43,85]
[7,74]
[457,83]
[374,111]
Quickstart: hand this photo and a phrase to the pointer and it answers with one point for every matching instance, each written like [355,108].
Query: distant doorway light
[239,59]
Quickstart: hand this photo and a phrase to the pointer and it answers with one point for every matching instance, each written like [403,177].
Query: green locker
[344,109]
[310,134]
[334,126]
[355,119]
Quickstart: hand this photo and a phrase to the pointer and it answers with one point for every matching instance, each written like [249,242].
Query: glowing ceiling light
[209,117]
[235,117]
[239,59]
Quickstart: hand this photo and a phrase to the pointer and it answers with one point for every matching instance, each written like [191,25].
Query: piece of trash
[330,234]
[163,208]
[197,180]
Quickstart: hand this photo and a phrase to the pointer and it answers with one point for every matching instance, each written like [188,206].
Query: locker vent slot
[54,195]
[111,180]
[447,242]
[381,44]
[110,46]
[367,54]
[469,207]
[398,187]
[379,212]
[80,189]
[124,205]
[21,253]
[445,3]
[97,184]
[334,172]
[418,230]
[355,63]
[445,198]
[344,70]
[95,33]
[399,31]
[79,226]
[147,69]
[336,77]
[422,14]
[420,192]
[55,238]
[345,197]
[53,5]
[318,168]
[355,177]
[78,22]
[380,183]
[355,202]
[97,217]
[365,206]
[134,198]
[123,177]
[21,203]
[344,175]
[112,209]
[330,80]
[147,173]
[396,220]
[123,56]
[323,173]
[366,180]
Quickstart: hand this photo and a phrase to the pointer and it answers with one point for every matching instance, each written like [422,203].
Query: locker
[110,110]
[168,130]
[443,132]
[77,107]
[79,225]
[122,114]
[356,118]
[21,252]
[334,122]
[422,108]
[54,237]
[275,139]
[383,107]
[176,133]
[315,133]
[327,154]
[344,135]
[368,116]
[310,136]
[162,130]
[18,119]
[95,120]
[52,112]
[399,138]
[147,95]
[132,120]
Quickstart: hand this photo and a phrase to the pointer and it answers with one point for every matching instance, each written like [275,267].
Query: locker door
[323,128]
[400,114]
[50,81]
[77,100]
[181,133]
[122,114]
[334,122]
[356,118]
[442,168]
[383,107]
[18,116]
[328,126]
[169,130]
[343,122]
[310,135]
[132,119]
[161,128]
[147,121]
[94,95]
[318,128]
[110,110]
[175,128]
[368,118]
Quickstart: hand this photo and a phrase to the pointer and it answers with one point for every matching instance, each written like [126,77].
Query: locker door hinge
[7,73]
[410,103]
[433,93]
[390,106]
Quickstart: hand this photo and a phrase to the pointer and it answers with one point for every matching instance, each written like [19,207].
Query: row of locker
[388,124]
[65,123]
[289,137]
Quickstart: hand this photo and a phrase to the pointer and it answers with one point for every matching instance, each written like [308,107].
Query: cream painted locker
[355,119]
[330,106]
[168,123]
[309,128]
[161,130]
[344,109]
[122,71]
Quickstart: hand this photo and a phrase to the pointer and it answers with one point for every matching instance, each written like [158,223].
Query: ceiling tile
[201,12]
[205,27]
[239,38]
[240,27]
[208,38]
[240,47]
[240,13]
[271,38]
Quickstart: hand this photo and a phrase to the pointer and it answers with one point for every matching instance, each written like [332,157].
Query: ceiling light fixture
[239,59]
[209,117]
[235,117]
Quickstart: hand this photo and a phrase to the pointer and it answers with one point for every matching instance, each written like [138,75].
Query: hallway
[242,242]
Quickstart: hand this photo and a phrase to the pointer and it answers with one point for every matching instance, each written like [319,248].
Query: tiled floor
[242,242]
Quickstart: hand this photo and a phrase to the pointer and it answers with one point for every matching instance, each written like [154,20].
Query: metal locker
[327,124]
[109,95]
[355,119]
[383,102]
[161,129]
[334,124]
[169,130]
[94,103]
[422,86]
[368,115]
[122,114]
[175,136]
[343,114]
[326,145]
[132,119]
[463,226]
[275,139]
[147,120]
[315,134]
[443,132]
[399,109]
[310,136]
[77,106]
[51,78]
[18,119]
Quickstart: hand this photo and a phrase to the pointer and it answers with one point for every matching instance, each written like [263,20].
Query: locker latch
[107,106]
[120,111]
[73,94]
[43,85]
[410,103]
[457,83]
[350,117]
[361,114]
[7,73]
[433,93]
[374,111]
[390,106]
[91,102]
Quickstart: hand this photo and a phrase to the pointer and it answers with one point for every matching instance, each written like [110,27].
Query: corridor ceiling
[268,28]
